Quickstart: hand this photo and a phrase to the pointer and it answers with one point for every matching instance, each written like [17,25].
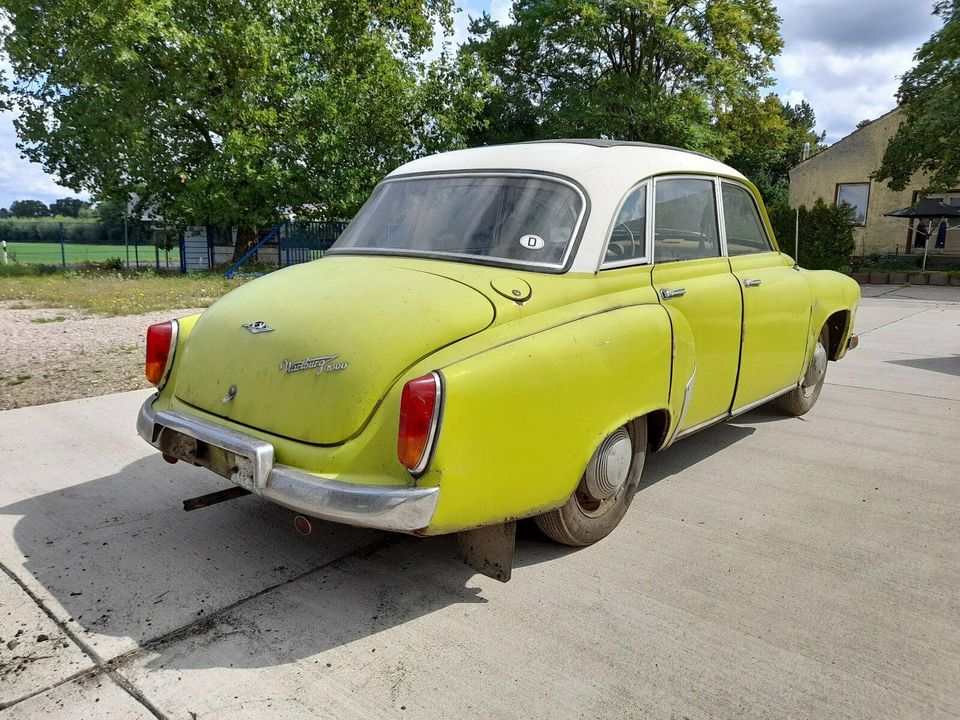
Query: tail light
[161,341]
[420,405]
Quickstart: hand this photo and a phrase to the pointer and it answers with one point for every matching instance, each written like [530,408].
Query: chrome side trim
[687,393]
[763,400]
[701,426]
[401,509]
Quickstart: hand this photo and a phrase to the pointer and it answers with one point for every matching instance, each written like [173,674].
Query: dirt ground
[48,355]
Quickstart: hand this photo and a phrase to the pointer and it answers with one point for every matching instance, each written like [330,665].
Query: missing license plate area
[234,467]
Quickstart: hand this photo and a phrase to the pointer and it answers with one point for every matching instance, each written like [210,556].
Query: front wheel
[605,490]
[798,401]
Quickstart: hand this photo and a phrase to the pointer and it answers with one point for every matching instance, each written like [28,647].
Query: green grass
[49,254]
[114,293]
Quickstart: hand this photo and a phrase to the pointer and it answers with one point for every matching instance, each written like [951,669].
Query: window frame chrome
[573,244]
[717,211]
[647,258]
[756,208]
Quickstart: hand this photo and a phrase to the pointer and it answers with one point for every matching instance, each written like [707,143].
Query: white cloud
[847,61]
[21,179]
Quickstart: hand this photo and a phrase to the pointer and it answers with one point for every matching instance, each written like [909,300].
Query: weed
[41,320]
[115,293]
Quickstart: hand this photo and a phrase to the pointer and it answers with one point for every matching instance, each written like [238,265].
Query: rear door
[776,302]
[694,283]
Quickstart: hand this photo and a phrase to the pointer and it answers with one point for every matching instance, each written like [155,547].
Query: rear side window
[628,239]
[745,233]
[685,220]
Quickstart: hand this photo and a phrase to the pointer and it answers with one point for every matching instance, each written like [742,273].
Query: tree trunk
[246,239]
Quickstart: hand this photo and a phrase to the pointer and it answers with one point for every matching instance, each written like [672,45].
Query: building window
[856,195]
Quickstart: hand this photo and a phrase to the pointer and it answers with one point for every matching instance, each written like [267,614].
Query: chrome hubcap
[609,467]
[816,369]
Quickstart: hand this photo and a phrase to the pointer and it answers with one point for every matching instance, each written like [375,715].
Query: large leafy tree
[763,139]
[231,112]
[29,209]
[68,207]
[653,70]
[929,94]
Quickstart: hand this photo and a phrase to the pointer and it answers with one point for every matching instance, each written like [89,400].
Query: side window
[685,220]
[745,233]
[628,238]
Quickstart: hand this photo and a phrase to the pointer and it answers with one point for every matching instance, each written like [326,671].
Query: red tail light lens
[419,418]
[161,339]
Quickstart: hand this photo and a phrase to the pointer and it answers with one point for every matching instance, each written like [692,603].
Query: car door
[693,281]
[776,302]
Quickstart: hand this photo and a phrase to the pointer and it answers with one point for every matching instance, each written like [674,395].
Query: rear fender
[521,420]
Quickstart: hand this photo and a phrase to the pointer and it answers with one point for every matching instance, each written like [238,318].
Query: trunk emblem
[231,394]
[324,363]
[258,327]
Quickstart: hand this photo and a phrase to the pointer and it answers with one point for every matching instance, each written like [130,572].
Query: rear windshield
[518,220]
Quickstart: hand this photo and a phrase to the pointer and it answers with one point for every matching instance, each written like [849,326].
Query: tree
[626,69]
[68,207]
[765,138]
[929,96]
[29,209]
[231,112]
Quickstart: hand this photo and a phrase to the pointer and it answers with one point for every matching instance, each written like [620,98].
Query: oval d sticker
[532,242]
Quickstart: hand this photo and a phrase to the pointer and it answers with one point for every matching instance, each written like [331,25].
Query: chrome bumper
[402,509]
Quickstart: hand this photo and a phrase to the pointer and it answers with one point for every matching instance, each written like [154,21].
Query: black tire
[583,520]
[802,398]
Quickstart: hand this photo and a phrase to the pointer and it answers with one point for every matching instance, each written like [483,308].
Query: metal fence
[74,245]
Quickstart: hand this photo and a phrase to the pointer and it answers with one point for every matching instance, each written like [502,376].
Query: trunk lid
[342,332]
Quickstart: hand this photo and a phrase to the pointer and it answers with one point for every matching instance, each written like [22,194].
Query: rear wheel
[605,490]
[803,397]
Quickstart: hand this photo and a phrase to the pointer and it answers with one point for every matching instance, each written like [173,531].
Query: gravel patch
[48,355]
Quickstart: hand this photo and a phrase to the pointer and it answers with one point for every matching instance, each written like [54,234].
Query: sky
[844,58]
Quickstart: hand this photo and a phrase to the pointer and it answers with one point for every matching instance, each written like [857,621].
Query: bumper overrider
[248,463]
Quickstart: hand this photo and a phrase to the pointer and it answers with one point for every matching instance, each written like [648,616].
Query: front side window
[515,219]
[685,220]
[745,233]
[628,238]
[857,195]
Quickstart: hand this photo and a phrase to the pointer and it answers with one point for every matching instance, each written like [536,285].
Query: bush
[826,234]
[16,270]
[113,263]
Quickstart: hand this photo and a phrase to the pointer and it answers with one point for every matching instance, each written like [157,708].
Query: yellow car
[500,333]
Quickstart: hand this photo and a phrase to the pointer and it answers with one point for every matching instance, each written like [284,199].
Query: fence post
[4,252]
[63,249]
[126,241]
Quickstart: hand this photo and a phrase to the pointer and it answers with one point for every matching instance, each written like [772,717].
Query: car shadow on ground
[122,559]
[949,365]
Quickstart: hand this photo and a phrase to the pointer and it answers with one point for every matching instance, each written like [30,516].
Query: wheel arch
[522,419]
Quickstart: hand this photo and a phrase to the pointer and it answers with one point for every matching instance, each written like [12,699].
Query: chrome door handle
[667,294]
[752,283]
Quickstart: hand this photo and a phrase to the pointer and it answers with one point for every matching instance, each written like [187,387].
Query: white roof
[606,169]
[586,161]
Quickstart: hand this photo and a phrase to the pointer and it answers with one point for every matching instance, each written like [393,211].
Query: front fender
[833,294]
[521,420]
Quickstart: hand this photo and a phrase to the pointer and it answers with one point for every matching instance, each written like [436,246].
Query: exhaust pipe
[302,525]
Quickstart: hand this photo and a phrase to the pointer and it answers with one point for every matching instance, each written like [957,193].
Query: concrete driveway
[772,568]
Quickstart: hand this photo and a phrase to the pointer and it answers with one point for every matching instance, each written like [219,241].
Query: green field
[49,254]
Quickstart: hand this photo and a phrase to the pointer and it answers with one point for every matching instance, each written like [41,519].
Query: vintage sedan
[500,333]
